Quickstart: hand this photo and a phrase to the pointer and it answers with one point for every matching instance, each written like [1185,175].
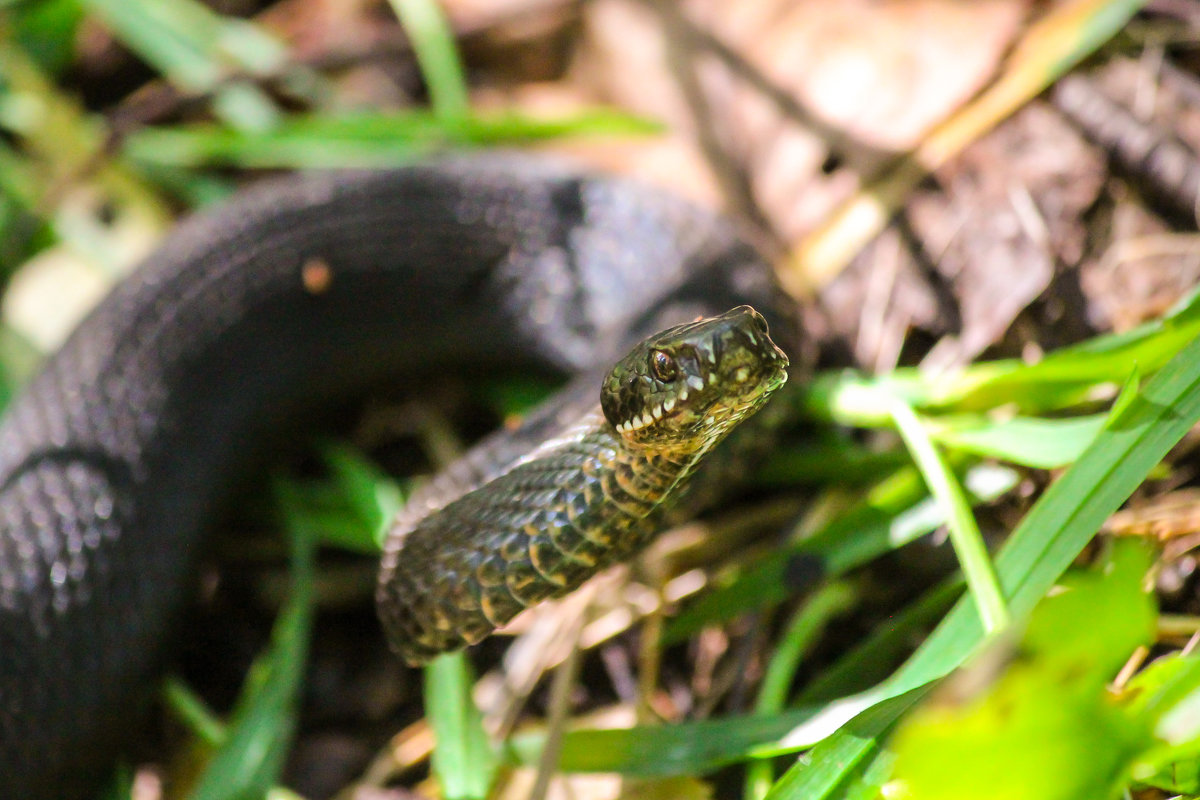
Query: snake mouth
[763,386]
[657,413]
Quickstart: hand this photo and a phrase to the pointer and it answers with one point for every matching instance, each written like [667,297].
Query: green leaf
[463,759]
[845,758]
[372,497]
[952,500]
[1166,695]
[646,751]
[1030,442]
[1062,632]
[191,710]
[46,30]
[437,54]
[353,508]
[1062,379]
[1048,726]
[805,625]
[874,657]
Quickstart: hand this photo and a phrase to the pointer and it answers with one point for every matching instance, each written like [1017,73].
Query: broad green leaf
[1166,695]
[1048,727]
[1028,441]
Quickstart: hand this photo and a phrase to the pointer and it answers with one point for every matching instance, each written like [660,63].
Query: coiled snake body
[114,458]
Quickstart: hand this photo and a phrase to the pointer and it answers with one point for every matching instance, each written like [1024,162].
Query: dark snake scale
[119,453]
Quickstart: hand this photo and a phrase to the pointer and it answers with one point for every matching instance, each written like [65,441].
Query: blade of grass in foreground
[437,54]
[964,532]
[463,759]
[894,512]
[1061,523]
[251,759]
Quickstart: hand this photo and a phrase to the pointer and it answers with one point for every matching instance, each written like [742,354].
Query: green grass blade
[264,718]
[1062,379]
[359,140]
[463,759]
[964,533]
[875,657]
[838,759]
[191,710]
[372,498]
[437,55]
[649,751]
[829,460]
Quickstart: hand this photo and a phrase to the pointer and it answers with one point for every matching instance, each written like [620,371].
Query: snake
[301,291]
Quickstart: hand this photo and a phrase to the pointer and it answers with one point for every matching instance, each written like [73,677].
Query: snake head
[686,387]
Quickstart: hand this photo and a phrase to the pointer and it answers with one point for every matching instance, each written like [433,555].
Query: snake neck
[577,504]
[639,481]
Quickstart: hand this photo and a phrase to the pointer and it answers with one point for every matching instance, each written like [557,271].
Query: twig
[1165,169]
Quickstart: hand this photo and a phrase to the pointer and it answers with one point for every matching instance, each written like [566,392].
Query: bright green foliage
[1048,727]
[1167,695]
[354,506]
[464,761]
[1029,441]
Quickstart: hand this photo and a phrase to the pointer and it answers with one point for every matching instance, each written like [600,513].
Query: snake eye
[663,366]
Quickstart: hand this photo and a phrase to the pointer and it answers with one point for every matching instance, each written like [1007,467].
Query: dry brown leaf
[874,76]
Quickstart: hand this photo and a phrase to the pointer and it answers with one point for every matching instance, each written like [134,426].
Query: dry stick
[1165,169]
[732,179]
[560,704]
[835,138]
[1058,41]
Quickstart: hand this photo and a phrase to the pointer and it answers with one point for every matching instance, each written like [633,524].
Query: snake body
[296,293]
